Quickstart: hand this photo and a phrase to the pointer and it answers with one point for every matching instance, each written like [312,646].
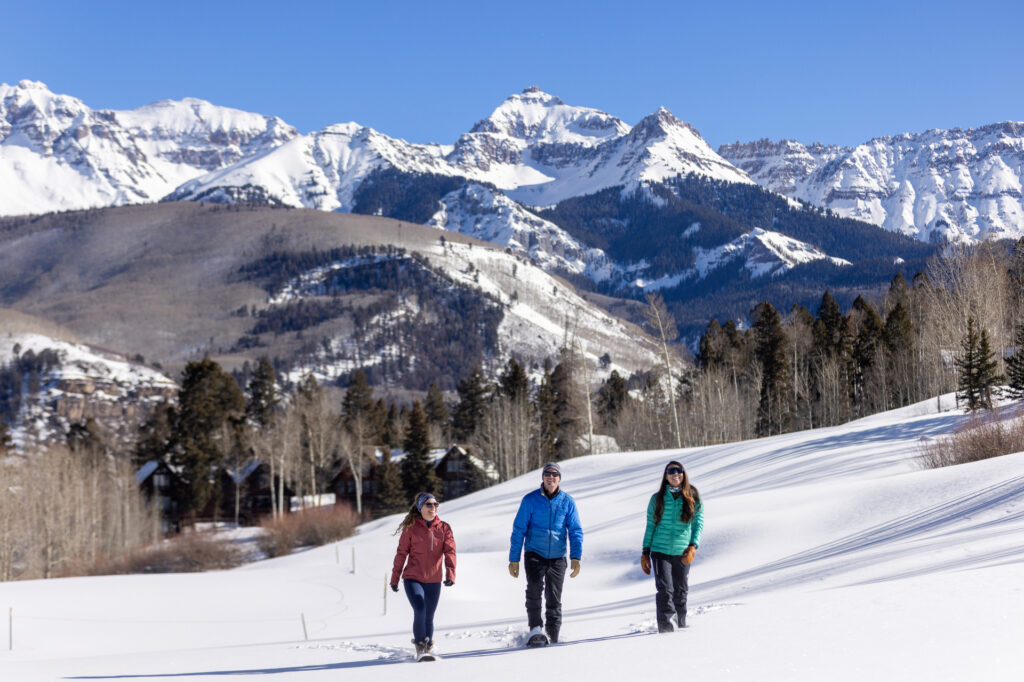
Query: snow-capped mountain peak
[56,153]
[534,116]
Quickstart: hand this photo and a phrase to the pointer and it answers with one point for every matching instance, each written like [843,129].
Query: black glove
[448,583]
[394,588]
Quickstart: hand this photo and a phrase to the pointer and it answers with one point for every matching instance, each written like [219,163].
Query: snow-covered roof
[146,470]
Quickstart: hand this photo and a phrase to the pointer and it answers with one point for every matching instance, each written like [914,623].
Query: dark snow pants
[423,597]
[671,578]
[547,576]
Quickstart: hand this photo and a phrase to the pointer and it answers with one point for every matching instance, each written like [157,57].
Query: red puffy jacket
[425,546]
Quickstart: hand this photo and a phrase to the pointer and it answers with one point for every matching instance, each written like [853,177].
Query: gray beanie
[551,466]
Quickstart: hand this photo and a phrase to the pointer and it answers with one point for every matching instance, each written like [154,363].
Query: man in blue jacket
[546,520]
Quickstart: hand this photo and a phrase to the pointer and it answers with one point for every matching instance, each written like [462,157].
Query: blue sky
[426,71]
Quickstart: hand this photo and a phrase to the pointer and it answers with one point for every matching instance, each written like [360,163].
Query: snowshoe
[424,651]
[536,638]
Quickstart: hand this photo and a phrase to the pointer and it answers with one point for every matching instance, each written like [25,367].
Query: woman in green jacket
[675,520]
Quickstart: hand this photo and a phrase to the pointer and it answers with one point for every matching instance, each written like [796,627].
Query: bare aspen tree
[585,367]
[320,430]
[504,435]
[664,326]
[271,446]
[361,428]
[352,451]
[59,513]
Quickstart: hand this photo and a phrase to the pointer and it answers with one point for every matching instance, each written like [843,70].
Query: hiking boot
[665,626]
[552,631]
[421,647]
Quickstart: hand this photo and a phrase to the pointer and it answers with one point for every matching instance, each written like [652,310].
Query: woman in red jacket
[425,541]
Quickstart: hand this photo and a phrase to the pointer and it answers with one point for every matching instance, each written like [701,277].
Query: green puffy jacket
[672,535]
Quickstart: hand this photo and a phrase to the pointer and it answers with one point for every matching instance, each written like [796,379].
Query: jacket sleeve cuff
[647,551]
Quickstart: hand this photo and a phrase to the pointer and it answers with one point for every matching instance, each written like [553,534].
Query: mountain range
[58,154]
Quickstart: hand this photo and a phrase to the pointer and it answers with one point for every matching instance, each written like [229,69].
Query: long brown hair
[691,498]
[410,518]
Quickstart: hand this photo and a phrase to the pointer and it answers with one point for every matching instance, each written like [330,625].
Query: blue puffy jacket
[544,524]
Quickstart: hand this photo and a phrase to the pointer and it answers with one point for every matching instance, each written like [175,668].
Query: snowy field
[827,555]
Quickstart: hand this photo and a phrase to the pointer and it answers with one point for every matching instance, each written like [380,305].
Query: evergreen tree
[417,469]
[976,365]
[513,382]
[544,402]
[263,398]
[611,399]
[357,404]
[391,497]
[831,329]
[435,407]
[378,421]
[711,351]
[210,408]
[834,366]
[472,403]
[1015,365]
[898,288]
[866,346]
[773,410]
[156,437]
[389,432]
[899,330]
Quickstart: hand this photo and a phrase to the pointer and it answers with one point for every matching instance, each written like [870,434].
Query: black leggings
[671,577]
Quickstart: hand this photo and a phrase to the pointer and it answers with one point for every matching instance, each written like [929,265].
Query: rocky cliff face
[52,384]
[955,185]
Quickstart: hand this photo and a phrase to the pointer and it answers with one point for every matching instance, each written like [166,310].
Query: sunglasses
[552,474]
[671,471]
[434,505]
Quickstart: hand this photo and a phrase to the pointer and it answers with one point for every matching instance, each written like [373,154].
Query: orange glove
[645,564]
[575,568]
[688,555]
[513,569]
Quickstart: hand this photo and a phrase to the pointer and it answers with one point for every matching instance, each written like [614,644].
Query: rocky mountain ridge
[58,154]
[939,185]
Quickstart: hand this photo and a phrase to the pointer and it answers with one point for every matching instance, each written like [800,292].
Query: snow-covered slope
[480,212]
[58,154]
[74,382]
[826,555]
[957,185]
[538,312]
[762,253]
[321,170]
